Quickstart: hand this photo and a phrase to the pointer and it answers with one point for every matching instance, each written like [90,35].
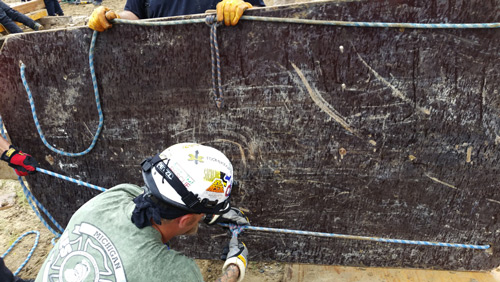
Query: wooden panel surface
[30,6]
[366,131]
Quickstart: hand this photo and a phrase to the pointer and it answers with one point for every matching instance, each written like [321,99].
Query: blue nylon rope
[98,104]
[31,251]
[354,237]
[375,24]
[322,22]
[29,196]
[79,182]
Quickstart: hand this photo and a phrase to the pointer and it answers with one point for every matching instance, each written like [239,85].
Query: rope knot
[211,20]
[236,229]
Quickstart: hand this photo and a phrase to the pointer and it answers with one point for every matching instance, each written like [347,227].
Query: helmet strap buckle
[190,200]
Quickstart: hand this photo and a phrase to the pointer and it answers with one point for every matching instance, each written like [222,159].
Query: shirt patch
[86,254]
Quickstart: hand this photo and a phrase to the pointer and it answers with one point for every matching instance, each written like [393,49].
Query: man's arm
[230,275]
[4,145]
[127,15]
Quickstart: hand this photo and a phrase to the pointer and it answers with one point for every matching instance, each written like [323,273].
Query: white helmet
[190,176]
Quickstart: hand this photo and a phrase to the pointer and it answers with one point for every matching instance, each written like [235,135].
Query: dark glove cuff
[7,155]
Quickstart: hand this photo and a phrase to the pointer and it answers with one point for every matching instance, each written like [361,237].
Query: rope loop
[30,253]
[211,20]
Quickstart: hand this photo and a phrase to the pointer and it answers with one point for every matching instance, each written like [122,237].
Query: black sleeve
[256,3]
[138,7]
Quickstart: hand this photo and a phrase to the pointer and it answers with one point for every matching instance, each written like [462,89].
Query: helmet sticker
[228,166]
[196,158]
[183,176]
[217,186]
[211,174]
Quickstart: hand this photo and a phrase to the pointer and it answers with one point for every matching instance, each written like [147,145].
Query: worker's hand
[233,216]
[21,162]
[230,11]
[237,253]
[100,17]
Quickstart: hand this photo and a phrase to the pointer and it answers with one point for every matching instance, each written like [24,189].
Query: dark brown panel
[365,131]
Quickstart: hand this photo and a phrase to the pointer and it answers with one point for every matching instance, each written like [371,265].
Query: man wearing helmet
[121,234]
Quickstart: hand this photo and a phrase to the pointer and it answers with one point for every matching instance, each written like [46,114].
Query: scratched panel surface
[363,131]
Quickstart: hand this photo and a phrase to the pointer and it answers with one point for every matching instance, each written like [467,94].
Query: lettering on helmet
[211,174]
[183,176]
[217,186]
[190,146]
[163,168]
[196,158]
[212,159]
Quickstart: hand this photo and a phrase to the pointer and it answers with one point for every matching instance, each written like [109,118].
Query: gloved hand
[230,11]
[237,253]
[21,162]
[233,216]
[100,17]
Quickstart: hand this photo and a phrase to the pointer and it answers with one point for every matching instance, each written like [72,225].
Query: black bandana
[148,208]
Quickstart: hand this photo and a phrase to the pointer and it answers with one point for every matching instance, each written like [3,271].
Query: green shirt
[101,243]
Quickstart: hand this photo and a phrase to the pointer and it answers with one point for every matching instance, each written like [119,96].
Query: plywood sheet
[366,131]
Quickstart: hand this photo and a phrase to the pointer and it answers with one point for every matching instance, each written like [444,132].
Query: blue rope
[29,196]
[214,53]
[374,24]
[321,22]
[354,237]
[79,182]
[30,253]
[98,104]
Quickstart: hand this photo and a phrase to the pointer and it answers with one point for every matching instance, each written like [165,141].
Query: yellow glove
[230,11]
[99,20]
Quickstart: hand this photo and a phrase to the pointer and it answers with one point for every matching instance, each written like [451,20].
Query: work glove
[100,17]
[233,216]
[230,11]
[236,253]
[21,162]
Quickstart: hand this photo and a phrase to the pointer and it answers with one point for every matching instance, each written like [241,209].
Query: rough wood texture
[365,131]
[26,7]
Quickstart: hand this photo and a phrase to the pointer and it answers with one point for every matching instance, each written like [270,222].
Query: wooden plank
[26,7]
[35,15]
[364,131]
[323,273]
